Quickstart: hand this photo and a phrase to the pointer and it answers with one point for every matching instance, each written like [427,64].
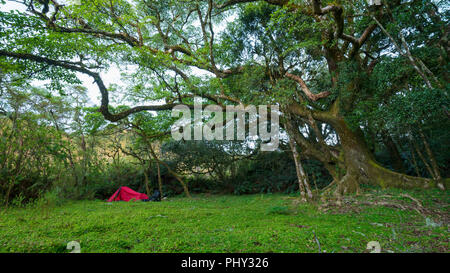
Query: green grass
[254,223]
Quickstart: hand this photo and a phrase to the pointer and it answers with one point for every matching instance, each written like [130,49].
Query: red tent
[126,194]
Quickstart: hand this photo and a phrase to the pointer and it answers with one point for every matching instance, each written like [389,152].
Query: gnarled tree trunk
[350,163]
[301,175]
[361,166]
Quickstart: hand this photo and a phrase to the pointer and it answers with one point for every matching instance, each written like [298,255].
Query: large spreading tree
[346,67]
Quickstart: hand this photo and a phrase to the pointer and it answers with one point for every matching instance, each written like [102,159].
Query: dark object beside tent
[155,197]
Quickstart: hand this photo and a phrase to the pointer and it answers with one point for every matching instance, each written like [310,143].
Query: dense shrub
[274,172]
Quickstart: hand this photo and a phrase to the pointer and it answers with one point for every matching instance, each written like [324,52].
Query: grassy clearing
[254,223]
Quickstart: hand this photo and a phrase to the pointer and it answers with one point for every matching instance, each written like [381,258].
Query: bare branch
[306,90]
[97,79]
